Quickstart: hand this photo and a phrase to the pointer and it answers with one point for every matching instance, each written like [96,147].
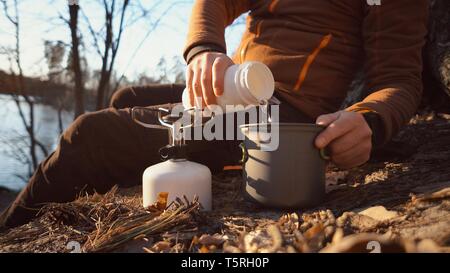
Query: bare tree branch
[76,65]
[93,33]
[151,29]
[20,85]
[7,14]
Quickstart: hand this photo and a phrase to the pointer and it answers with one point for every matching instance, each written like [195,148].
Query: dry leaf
[428,246]
[314,231]
[161,204]
[277,237]
[379,213]
[204,249]
[338,235]
[209,240]
[161,246]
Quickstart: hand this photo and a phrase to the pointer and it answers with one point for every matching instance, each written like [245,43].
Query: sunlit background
[151,46]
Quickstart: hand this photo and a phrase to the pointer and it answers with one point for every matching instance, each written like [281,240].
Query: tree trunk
[76,66]
[102,86]
[436,72]
[105,73]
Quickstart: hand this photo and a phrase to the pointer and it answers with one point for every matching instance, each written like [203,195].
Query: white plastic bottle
[178,178]
[245,84]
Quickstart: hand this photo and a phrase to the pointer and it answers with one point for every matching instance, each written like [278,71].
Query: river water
[13,137]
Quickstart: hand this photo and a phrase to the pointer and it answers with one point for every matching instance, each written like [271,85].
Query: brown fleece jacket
[314,48]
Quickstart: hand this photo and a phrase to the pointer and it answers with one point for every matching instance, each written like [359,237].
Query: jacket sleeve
[394,34]
[208,21]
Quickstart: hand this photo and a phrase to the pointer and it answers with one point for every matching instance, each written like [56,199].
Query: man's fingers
[197,86]
[334,130]
[189,80]
[354,157]
[327,119]
[347,141]
[218,75]
[206,80]
[347,136]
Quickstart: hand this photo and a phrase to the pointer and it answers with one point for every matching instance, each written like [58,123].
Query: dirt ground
[398,202]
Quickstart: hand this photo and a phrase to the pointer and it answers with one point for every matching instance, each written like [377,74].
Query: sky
[40,21]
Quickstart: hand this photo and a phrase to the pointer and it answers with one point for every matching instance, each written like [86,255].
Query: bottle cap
[258,80]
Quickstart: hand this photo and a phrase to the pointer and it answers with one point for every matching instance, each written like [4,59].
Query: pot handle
[244,154]
[143,124]
[324,154]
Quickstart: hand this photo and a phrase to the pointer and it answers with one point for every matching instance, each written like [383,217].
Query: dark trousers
[105,148]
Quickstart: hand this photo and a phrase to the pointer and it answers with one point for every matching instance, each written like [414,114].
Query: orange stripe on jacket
[233,168]
[301,78]
[258,29]
[273,5]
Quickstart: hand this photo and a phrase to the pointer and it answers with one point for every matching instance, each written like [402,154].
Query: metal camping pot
[291,175]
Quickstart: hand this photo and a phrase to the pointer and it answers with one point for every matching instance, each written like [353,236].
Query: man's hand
[348,137]
[205,77]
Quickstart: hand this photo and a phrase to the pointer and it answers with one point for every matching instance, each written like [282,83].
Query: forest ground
[400,200]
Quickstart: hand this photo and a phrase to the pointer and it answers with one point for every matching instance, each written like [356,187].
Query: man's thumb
[327,119]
